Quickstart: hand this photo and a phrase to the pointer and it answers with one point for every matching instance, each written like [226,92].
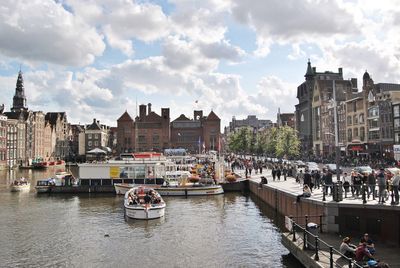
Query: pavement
[383,252]
[291,186]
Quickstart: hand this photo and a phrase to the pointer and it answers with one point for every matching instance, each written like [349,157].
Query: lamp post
[336,126]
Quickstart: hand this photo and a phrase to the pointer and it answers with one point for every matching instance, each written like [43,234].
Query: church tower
[19,100]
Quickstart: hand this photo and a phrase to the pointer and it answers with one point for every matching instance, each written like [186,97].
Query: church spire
[19,100]
[310,72]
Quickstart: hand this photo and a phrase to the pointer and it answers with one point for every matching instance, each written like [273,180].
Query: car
[332,168]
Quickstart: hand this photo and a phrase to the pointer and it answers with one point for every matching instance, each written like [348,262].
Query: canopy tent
[97,151]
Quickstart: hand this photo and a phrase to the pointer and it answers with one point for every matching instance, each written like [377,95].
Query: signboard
[114,172]
[288,223]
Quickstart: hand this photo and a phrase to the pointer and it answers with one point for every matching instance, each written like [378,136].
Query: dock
[353,216]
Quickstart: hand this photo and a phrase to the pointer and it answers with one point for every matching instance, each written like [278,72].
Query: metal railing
[320,247]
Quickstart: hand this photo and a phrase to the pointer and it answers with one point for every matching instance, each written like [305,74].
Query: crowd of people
[140,197]
[362,253]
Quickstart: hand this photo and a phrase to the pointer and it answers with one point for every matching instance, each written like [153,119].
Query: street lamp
[336,127]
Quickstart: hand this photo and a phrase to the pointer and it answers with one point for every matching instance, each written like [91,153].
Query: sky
[99,58]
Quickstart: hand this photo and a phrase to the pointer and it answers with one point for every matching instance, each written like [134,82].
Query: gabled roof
[125,117]
[152,117]
[212,116]
[182,117]
[94,126]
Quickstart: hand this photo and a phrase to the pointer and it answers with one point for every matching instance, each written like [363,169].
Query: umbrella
[96,151]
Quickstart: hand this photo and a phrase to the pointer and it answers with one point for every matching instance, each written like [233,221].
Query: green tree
[287,142]
[270,141]
[240,141]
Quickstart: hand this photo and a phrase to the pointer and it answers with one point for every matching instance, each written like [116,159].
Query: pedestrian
[395,185]
[278,173]
[273,173]
[372,185]
[381,180]
[317,178]
[307,179]
[328,182]
[285,172]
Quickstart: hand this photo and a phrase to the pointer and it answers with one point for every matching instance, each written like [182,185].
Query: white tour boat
[20,185]
[143,204]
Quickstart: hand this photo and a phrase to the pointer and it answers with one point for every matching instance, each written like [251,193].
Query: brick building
[202,133]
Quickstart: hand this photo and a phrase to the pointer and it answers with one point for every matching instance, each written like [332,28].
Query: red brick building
[202,133]
[148,132]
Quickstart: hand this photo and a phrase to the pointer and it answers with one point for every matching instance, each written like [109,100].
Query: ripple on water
[69,231]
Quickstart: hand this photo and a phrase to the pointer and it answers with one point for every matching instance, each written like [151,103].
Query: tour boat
[143,204]
[60,179]
[188,189]
[20,185]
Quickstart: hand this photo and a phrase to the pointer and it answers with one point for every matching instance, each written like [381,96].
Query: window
[355,132]
[349,135]
[96,136]
[89,143]
[96,143]
[361,119]
[355,106]
[362,134]
[396,123]
[373,123]
[349,120]
[396,111]
[89,136]
[355,119]
[156,139]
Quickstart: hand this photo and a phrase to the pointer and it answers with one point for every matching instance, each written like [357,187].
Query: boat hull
[121,189]
[143,213]
[191,191]
[43,189]
[20,188]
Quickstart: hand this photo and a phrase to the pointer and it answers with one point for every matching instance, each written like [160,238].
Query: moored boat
[143,204]
[60,179]
[20,185]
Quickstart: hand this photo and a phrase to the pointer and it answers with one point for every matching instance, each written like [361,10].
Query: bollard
[304,239]
[330,256]
[363,194]
[294,231]
[316,258]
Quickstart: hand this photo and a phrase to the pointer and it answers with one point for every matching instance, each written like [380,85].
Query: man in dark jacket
[372,184]
[307,178]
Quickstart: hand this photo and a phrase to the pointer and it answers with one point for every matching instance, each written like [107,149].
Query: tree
[287,143]
[240,141]
[271,141]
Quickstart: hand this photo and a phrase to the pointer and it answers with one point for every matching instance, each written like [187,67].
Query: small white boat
[143,204]
[20,185]
[60,179]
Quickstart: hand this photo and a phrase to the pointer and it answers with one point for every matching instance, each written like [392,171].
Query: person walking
[278,173]
[273,173]
[395,185]
[372,185]
[381,180]
[285,172]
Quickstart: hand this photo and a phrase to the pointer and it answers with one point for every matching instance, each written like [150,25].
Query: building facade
[197,135]
[3,139]
[251,121]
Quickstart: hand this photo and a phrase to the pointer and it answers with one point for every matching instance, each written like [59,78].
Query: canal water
[230,230]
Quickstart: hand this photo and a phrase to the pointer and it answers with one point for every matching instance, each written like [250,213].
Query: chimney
[340,70]
[149,108]
[94,120]
[198,115]
[142,111]
[314,69]
[165,113]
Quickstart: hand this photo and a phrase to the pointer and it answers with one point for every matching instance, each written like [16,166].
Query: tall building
[125,133]
[60,134]
[314,112]
[19,100]
[3,139]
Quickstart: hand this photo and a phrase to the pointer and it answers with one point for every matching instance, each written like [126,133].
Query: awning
[96,151]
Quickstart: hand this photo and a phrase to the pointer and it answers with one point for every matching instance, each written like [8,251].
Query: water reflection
[90,230]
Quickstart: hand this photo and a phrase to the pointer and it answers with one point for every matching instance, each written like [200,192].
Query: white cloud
[40,31]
